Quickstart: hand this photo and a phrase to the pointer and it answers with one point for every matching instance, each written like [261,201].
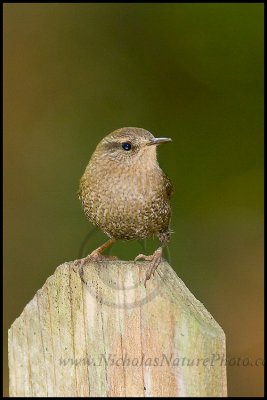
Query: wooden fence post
[114,337]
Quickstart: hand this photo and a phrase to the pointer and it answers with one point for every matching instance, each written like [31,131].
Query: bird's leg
[96,255]
[156,257]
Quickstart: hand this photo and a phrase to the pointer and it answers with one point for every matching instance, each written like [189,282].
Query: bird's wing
[168,185]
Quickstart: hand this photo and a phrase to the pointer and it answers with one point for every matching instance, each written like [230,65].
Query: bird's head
[129,146]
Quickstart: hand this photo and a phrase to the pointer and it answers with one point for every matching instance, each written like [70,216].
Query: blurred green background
[193,72]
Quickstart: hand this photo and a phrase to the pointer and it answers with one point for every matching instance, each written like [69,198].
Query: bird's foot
[155,259]
[144,257]
[94,256]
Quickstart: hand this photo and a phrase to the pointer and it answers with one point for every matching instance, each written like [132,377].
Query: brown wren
[126,194]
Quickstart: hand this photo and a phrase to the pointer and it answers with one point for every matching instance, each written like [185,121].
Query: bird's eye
[126,146]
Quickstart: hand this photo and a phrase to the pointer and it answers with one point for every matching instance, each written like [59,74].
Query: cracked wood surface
[114,337]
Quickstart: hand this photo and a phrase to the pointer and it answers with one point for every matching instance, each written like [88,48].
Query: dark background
[192,72]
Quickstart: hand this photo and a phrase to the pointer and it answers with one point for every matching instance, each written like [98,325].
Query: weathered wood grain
[114,337]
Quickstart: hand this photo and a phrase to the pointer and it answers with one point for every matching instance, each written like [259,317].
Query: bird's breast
[126,205]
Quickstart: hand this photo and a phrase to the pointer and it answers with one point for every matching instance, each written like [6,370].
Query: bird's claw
[78,267]
[155,261]
[94,256]
[143,257]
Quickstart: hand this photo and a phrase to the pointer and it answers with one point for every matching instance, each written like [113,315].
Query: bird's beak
[158,141]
